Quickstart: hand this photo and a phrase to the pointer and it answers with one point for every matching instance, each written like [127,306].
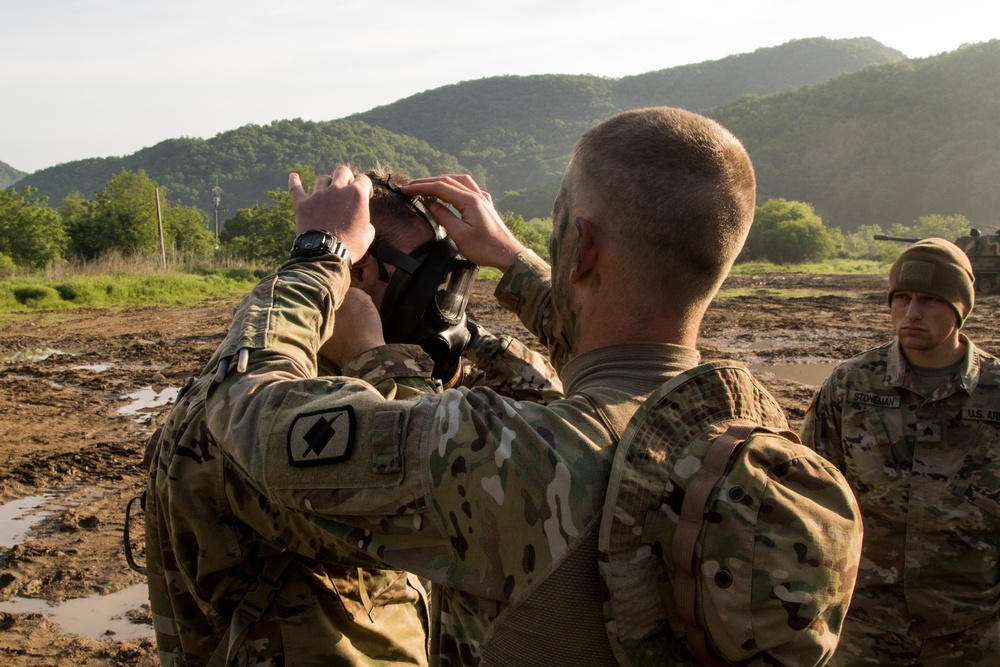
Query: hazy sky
[98,78]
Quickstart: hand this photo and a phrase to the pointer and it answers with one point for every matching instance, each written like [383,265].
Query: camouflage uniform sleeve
[526,290]
[423,484]
[395,371]
[821,428]
[505,365]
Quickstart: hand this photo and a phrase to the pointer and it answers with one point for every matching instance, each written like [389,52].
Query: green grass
[830,266]
[790,293]
[489,273]
[120,283]
[96,290]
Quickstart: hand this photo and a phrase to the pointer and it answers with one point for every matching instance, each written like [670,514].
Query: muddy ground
[72,434]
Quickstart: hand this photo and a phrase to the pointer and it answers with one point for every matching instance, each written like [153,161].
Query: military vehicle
[983,252]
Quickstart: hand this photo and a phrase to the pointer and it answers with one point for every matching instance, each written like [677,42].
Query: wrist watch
[316,243]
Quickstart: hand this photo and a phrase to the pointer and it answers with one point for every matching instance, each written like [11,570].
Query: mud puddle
[97,616]
[810,374]
[18,517]
[147,402]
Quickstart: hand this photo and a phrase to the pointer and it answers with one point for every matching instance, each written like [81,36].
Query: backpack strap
[692,519]
[251,608]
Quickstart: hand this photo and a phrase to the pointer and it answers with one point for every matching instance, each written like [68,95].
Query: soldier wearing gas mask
[223,588]
[421,284]
[417,279]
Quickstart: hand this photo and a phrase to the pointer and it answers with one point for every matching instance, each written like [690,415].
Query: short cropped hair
[396,222]
[674,186]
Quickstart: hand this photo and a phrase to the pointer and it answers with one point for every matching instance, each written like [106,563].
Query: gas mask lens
[452,294]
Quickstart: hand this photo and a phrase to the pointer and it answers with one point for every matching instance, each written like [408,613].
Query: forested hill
[801,62]
[884,145]
[520,129]
[512,133]
[248,162]
[9,175]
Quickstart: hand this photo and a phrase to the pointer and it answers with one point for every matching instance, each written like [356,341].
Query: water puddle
[24,356]
[20,516]
[93,368]
[810,374]
[147,400]
[97,616]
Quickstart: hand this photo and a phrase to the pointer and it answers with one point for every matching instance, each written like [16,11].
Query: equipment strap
[692,518]
[251,608]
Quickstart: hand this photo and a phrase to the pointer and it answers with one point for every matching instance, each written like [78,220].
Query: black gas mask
[424,303]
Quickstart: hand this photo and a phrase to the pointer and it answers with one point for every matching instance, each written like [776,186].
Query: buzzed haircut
[675,186]
[396,222]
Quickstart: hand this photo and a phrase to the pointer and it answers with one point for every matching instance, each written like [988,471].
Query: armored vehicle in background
[983,252]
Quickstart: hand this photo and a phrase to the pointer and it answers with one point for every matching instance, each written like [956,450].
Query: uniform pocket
[868,452]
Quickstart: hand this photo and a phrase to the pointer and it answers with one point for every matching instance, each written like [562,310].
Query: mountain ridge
[514,133]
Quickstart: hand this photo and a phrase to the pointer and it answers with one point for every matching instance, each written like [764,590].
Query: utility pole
[159,225]
[218,191]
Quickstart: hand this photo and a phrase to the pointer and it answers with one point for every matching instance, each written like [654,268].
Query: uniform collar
[968,370]
[633,367]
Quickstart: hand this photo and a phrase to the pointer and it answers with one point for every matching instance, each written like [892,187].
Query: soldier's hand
[338,204]
[479,233]
[356,329]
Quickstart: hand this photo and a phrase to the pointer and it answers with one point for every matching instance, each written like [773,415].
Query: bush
[37,296]
[787,232]
[79,293]
[528,233]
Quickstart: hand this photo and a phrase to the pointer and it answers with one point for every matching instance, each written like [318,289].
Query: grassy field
[121,282]
[830,266]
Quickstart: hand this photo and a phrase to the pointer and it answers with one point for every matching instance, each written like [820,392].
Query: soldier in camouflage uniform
[212,544]
[915,427]
[496,501]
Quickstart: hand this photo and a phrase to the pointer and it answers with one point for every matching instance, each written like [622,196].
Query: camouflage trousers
[863,644]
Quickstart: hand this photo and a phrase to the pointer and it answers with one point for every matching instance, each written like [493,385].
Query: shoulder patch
[319,438]
[878,400]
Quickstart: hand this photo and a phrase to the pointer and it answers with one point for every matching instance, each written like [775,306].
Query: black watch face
[312,244]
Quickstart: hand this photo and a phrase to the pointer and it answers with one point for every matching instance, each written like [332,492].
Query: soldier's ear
[364,274]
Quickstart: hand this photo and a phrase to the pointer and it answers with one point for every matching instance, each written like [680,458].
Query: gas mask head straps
[426,297]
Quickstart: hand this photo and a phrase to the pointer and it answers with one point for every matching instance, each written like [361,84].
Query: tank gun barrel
[901,239]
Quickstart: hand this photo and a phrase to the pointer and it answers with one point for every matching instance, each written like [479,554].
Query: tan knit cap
[939,268]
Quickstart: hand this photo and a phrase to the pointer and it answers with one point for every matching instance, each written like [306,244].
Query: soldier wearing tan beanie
[937,267]
[914,427]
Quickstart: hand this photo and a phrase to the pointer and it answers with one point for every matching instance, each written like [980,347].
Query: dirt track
[65,378]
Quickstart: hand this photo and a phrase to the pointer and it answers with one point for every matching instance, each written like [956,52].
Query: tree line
[126,214]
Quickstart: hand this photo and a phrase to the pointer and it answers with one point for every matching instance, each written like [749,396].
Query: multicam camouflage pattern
[488,497]
[926,473]
[525,290]
[484,495]
[207,548]
[863,644]
[778,555]
[209,538]
[508,367]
